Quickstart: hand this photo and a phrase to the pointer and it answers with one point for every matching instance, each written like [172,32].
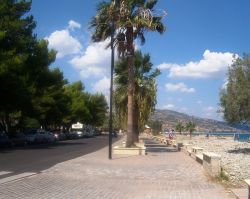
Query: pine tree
[235,98]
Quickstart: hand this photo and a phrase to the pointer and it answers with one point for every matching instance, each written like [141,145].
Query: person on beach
[171,134]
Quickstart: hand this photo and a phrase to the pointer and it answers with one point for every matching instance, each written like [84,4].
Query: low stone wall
[196,151]
[212,163]
[248,185]
[187,148]
[199,158]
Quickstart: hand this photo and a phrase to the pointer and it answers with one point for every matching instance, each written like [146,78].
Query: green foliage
[234,99]
[222,176]
[78,111]
[98,108]
[145,89]
[156,126]
[84,107]
[190,127]
[179,127]
[125,15]
[16,44]
[49,102]
[32,94]
[31,123]
[130,23]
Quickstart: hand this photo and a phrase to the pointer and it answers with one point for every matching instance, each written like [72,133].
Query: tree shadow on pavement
[161,149]
[41,157]
[156,147]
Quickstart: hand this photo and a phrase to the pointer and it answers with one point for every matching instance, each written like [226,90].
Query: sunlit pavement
[159,175]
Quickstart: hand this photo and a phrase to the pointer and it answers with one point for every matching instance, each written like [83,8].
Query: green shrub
[223,176]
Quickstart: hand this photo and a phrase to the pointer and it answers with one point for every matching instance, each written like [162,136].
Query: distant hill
[172,117]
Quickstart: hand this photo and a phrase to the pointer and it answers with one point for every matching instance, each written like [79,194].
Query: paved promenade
[159,175]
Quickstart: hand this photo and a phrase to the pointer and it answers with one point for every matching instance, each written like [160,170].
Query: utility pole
[111,87]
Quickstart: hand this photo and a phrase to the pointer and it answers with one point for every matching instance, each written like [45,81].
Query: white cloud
[102,86]
[64,43]
[73,25]
[169,106]
[95,60]
[213,64]
[179,87]
[166,66]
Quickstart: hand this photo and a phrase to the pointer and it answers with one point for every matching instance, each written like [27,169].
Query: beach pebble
[235,156]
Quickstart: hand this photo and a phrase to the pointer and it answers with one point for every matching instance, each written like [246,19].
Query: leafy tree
[156,126]
[16,44]
[145,90]
[97,106]
[131,19]
[50,106]
[190,127]
[235,98]
[79,111]
[84,107]
[32,94]
[179,127]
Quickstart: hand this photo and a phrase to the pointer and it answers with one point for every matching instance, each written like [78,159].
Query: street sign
[77,126]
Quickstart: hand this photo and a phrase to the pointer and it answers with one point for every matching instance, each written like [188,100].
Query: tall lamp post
[111,87]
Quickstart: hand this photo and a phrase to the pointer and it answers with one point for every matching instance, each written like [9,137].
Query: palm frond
[150,4]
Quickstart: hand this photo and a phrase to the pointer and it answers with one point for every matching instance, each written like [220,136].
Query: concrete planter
[121,150]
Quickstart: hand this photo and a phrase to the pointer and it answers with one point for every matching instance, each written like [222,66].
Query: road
[35,159]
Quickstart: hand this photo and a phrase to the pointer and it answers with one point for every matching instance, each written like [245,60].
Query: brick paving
[158,175]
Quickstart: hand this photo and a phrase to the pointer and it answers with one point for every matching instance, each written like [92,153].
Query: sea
[245,137]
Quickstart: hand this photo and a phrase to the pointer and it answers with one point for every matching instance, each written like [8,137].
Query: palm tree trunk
[131,84]
[136,123]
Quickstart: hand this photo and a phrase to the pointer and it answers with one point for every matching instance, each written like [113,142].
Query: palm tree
[179,127]
[145,91]
[131,19]
[190,127]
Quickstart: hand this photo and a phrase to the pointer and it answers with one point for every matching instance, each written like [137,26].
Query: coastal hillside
[170,118]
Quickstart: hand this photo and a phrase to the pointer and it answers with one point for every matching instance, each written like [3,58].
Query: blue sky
[193,54]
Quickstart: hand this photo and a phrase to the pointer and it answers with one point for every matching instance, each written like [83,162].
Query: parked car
[74,134]
[49,136]
[18,139]
[97,132]
[33,136]
[88,133]
[36,136]
[5,140]
[59,135]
